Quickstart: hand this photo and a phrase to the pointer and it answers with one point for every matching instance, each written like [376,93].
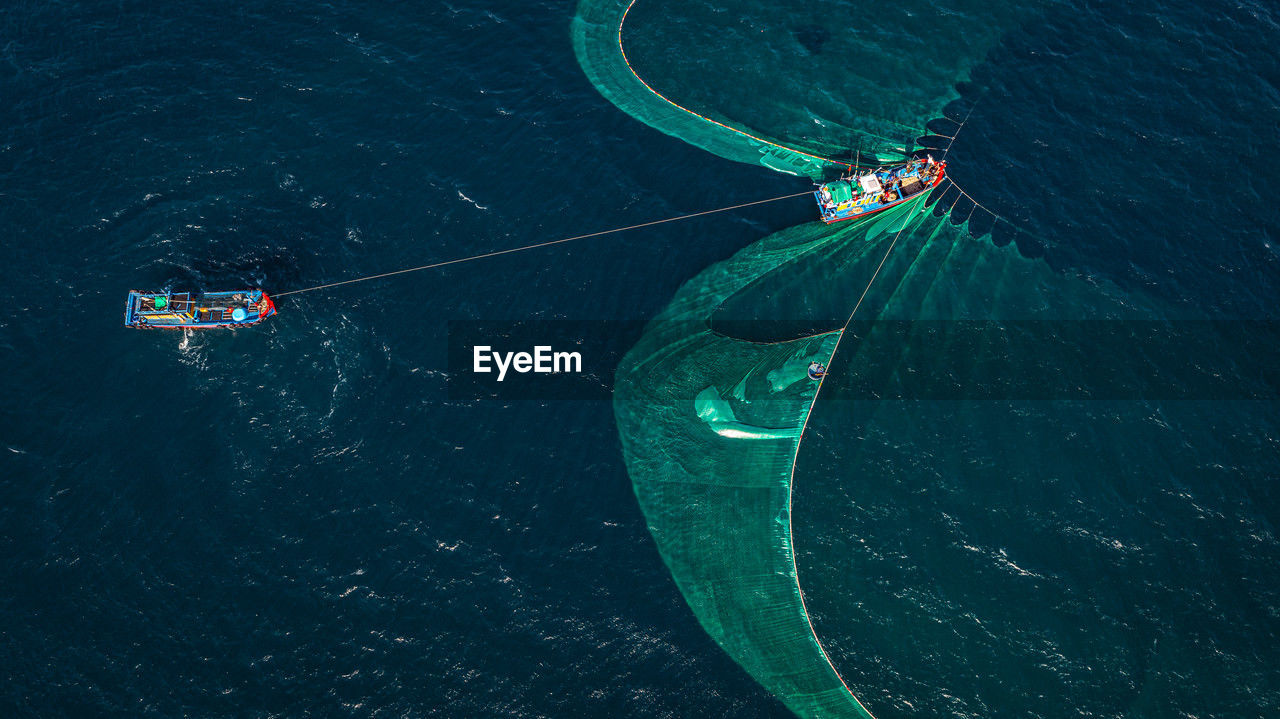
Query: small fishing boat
[197,310]
[861,195]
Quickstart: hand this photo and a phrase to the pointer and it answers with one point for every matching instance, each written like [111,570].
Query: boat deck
[852,197]
[196,310]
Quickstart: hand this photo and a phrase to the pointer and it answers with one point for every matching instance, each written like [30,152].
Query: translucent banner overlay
[905,360]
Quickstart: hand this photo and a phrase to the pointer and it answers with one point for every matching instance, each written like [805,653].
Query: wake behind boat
[197,310]
[858,196]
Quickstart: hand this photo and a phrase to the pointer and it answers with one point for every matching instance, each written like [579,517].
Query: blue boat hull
[188,310]
[901,183]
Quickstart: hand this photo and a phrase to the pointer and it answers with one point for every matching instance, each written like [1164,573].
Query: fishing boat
[862,195]
[197,310]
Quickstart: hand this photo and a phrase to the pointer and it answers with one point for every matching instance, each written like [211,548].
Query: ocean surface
[297,519]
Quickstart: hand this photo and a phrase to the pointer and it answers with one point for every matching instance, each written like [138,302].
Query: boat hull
[197,311]
[853,211]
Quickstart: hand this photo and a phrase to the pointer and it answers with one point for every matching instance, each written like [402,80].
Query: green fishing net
[794,86]
[711,411]
[712,403]
[710,425]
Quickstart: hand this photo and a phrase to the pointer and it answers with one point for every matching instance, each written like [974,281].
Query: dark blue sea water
[296,519]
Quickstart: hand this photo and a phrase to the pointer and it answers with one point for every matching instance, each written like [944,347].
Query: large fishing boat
[861,195]
[197,310]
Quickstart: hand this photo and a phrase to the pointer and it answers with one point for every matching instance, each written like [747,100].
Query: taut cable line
[795,458]
[524,248]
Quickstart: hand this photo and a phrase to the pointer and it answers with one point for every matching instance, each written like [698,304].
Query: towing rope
[795,459]
[540,244]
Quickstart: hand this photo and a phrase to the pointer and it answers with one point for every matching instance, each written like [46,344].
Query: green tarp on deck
[840,191]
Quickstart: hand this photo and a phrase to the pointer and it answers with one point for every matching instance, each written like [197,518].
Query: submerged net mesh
[711,419]
[711,409]
[710,425]
[796,86]
[599,43]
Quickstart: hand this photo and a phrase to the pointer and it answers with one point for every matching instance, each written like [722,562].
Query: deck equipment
[197,310]
[859,196]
